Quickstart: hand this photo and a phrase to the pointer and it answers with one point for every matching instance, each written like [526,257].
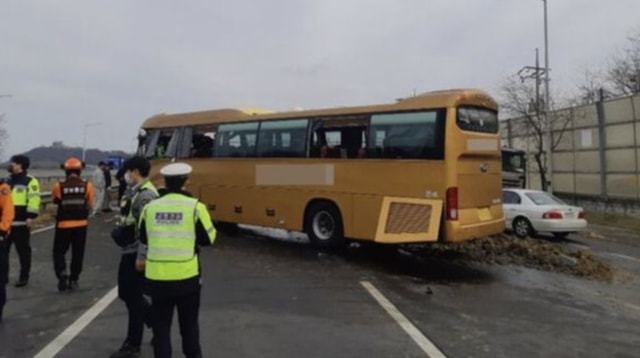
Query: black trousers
[4,273]
[20,236]
[130,290]
[3,298]
[188,306]
[76,238]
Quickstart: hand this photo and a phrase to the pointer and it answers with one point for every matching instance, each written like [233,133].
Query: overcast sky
[117,62]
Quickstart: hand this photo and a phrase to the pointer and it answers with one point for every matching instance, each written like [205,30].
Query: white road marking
[623,256]
[425,344]
[55,346]
[46,228]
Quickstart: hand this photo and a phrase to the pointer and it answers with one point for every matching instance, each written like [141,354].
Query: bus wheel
[323,225]
[226,227]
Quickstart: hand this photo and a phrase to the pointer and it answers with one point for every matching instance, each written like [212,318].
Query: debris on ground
[533,253]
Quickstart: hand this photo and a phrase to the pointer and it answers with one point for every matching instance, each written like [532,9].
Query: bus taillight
[452,204]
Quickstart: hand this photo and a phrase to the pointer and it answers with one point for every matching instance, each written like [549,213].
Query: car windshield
[513,162]
[542,198]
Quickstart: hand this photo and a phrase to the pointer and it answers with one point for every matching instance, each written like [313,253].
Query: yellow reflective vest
[26,199]
[170,223]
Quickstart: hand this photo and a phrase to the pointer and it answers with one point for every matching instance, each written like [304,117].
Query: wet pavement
[267,297]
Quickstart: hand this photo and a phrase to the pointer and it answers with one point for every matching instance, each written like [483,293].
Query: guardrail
[47,198]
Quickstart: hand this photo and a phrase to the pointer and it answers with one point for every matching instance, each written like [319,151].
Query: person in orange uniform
[74,197]
[7,213]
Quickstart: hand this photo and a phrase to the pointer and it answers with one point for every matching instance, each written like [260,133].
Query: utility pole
[537,106]
[535,73]
[547,103]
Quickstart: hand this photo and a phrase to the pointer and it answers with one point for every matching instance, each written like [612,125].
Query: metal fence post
[636,117]
[572,118]
[602,144]
[509,134]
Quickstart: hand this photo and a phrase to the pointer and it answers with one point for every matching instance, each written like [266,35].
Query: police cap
[176,170]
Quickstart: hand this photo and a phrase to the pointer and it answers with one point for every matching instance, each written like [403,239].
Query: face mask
[127,178]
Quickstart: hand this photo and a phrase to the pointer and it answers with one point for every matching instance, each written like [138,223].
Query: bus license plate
[484,214]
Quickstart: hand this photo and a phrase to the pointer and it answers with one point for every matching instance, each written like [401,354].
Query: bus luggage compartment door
[404,220]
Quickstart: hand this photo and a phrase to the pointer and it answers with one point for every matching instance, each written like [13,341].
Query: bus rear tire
[323,225]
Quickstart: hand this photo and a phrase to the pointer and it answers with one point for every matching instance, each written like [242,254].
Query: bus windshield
[513,162]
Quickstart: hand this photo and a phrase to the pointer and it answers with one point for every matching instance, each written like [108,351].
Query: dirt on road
[533,253]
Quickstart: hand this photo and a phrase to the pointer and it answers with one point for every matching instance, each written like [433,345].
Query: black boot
[73,285]
[22,282]
[126,351]
[63,283]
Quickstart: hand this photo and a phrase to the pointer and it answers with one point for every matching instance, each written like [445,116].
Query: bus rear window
[475,119]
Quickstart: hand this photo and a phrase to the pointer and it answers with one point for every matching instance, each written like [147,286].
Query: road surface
[275,297]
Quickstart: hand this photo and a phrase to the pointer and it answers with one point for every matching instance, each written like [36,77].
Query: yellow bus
[423,169]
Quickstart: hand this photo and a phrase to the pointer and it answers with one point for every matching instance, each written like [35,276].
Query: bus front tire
[227,227]
[323,225]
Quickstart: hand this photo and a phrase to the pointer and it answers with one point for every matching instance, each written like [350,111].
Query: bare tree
[520,101]
[624,69]
[591,88]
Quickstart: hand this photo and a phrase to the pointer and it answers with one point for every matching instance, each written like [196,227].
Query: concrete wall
[596,161]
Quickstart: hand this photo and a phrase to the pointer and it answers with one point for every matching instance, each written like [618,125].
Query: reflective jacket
[169,226]
[131,209]
[25,192]
[6,208]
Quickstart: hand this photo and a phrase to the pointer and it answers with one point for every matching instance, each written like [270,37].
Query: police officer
[26,200]
[130,281]
[74,197]
[6,218]
[172,227]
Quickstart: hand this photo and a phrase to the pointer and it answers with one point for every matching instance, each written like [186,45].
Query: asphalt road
[267,297]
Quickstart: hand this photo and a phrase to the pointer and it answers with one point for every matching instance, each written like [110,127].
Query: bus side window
[162,143]
[202,142]
[318,146]
[344,142]
[414,135]
[283,139]
[236,140]
[147,142]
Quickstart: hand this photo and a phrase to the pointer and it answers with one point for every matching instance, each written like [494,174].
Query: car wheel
[522,228]
[323,225]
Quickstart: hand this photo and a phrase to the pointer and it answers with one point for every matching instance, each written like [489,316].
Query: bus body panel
[358,190]
[475,170]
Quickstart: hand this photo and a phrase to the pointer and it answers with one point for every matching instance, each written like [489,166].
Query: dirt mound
[534,253]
